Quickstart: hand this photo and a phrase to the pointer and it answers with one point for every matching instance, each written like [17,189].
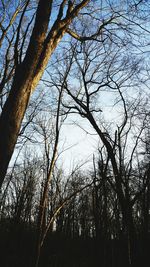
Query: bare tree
[29,69]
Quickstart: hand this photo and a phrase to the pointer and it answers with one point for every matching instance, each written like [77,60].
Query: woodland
[67,65]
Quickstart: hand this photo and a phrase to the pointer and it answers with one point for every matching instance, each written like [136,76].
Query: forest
[74,133]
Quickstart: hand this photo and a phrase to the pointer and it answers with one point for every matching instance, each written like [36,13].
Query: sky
[81,141]
[78,138]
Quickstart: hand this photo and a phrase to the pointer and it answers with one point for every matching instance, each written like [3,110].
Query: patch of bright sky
[80,144]
[82,139]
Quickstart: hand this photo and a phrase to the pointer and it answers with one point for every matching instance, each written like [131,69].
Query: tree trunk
[29,72]
[130,234]
[17,101]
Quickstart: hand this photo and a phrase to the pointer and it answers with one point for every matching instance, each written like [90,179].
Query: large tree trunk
[29,72]
[16,104]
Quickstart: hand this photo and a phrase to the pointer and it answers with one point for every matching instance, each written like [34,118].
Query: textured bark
[28,74]
[16,104]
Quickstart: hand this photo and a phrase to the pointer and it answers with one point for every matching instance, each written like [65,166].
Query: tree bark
[29,72]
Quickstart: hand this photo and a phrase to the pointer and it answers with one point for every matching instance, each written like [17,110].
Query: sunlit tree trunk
[29,72]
